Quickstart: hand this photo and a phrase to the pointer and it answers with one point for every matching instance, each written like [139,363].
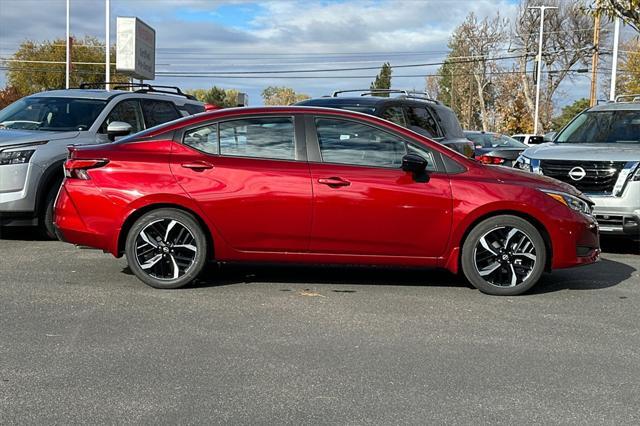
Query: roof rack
[413,94]
[142,88]
[634,98]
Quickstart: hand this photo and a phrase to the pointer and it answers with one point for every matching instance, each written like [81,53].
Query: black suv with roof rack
[413,110]
[35,131]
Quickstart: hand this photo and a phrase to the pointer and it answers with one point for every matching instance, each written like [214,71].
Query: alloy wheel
[165,249]
[505,256]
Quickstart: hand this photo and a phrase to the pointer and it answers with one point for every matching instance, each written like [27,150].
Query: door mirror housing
[414,163]
[118,128]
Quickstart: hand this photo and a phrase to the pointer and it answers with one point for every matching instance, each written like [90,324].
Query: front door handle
[197,165]
[334,182]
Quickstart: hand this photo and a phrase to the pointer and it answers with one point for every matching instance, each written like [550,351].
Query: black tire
[46,217]
[183,247]
[490,265]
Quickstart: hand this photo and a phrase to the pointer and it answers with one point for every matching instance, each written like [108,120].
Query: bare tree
[483,39]
[567,42]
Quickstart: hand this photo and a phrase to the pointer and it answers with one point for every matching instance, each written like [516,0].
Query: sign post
[135,48]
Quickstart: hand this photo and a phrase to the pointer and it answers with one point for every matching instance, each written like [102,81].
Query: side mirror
[118,128]
[414,163]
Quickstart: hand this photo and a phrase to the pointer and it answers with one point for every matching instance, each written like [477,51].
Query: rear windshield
[603,127]
[449,123]
[494,140]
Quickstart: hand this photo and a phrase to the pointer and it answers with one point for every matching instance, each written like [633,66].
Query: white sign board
[135,48]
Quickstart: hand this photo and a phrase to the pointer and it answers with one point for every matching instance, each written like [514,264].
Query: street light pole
[539,70]
[68,48]
[107,61]
[614,60]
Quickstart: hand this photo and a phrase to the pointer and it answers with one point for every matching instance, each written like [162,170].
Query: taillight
[488,159]
[78,168]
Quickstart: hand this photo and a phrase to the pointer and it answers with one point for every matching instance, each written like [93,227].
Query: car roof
[102,94]
[345,101]
[617,106]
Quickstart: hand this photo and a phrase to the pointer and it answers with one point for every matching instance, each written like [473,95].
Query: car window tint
[395,115]
[158,112]
[203,139]
[349,142]
[421,121]
[271,137]
[127,111]
[191,109]
[425,153]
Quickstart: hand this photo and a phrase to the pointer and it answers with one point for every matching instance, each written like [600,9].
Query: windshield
[53,114]
[494,140]
[603,127]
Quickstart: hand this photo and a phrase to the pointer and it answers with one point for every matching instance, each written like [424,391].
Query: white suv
[35,131]
[598,152]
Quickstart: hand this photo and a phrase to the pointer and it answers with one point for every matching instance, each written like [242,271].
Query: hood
[520,177]
[15,137]
[585,151]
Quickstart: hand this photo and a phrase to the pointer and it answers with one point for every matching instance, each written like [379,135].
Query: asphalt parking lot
[83,341]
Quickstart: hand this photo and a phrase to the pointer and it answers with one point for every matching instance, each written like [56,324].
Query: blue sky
[231,36]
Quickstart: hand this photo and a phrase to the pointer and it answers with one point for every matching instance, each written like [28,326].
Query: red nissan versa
[321,186]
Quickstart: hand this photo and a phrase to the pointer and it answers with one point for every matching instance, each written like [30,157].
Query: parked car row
[366,179]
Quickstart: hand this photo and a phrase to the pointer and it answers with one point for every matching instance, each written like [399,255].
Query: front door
[365,204]
[249,180]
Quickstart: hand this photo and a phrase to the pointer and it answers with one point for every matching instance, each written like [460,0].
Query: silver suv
[598,152]
[35,131]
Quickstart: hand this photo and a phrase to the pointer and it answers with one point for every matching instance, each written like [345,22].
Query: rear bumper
[70,225]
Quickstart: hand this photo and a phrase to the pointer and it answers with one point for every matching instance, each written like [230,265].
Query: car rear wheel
[46,217]
[166,248]
[504,255]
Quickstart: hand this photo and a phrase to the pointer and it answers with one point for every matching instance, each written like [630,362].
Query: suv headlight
[16,154]
[570,201]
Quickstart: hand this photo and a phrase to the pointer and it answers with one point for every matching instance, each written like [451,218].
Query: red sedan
[321,186]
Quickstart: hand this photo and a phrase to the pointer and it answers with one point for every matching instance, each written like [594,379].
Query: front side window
[158,112]
[603,127]
[51,114]
[421,121]
[127,111]
[271,137]
[350,142]
[203,139]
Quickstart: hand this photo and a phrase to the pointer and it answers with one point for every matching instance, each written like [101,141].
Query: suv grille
[592,176]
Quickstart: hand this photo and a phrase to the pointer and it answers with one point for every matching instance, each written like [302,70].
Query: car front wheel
[166,248]
[504,255]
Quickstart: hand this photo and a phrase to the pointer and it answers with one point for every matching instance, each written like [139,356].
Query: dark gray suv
[413,110]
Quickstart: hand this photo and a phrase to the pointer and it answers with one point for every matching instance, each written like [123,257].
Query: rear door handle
[334,182]
[197,165]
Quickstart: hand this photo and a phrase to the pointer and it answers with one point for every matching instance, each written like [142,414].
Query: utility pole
[539,70]
[68,48]
[614,60]
[594,59]
[107,56]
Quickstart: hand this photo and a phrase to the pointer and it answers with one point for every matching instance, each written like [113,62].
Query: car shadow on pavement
[26,233]
[603,274]
[229,274]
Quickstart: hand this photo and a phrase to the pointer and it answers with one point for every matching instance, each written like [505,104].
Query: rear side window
[394,115]
[191,109]
[203,139]
[350,142]
[271,137]
[421,121]
[158,112]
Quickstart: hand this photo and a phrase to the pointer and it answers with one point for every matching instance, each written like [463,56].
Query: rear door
[251,178]
[364,203]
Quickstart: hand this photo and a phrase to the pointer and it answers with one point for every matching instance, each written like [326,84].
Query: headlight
[15,157]
[17,154]
[522,163]
[570,201]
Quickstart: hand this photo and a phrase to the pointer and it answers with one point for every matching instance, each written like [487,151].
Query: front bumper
[619,215]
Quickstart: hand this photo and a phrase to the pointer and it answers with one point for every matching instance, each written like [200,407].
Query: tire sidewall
[46,224]
[191,224]
[468,261]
